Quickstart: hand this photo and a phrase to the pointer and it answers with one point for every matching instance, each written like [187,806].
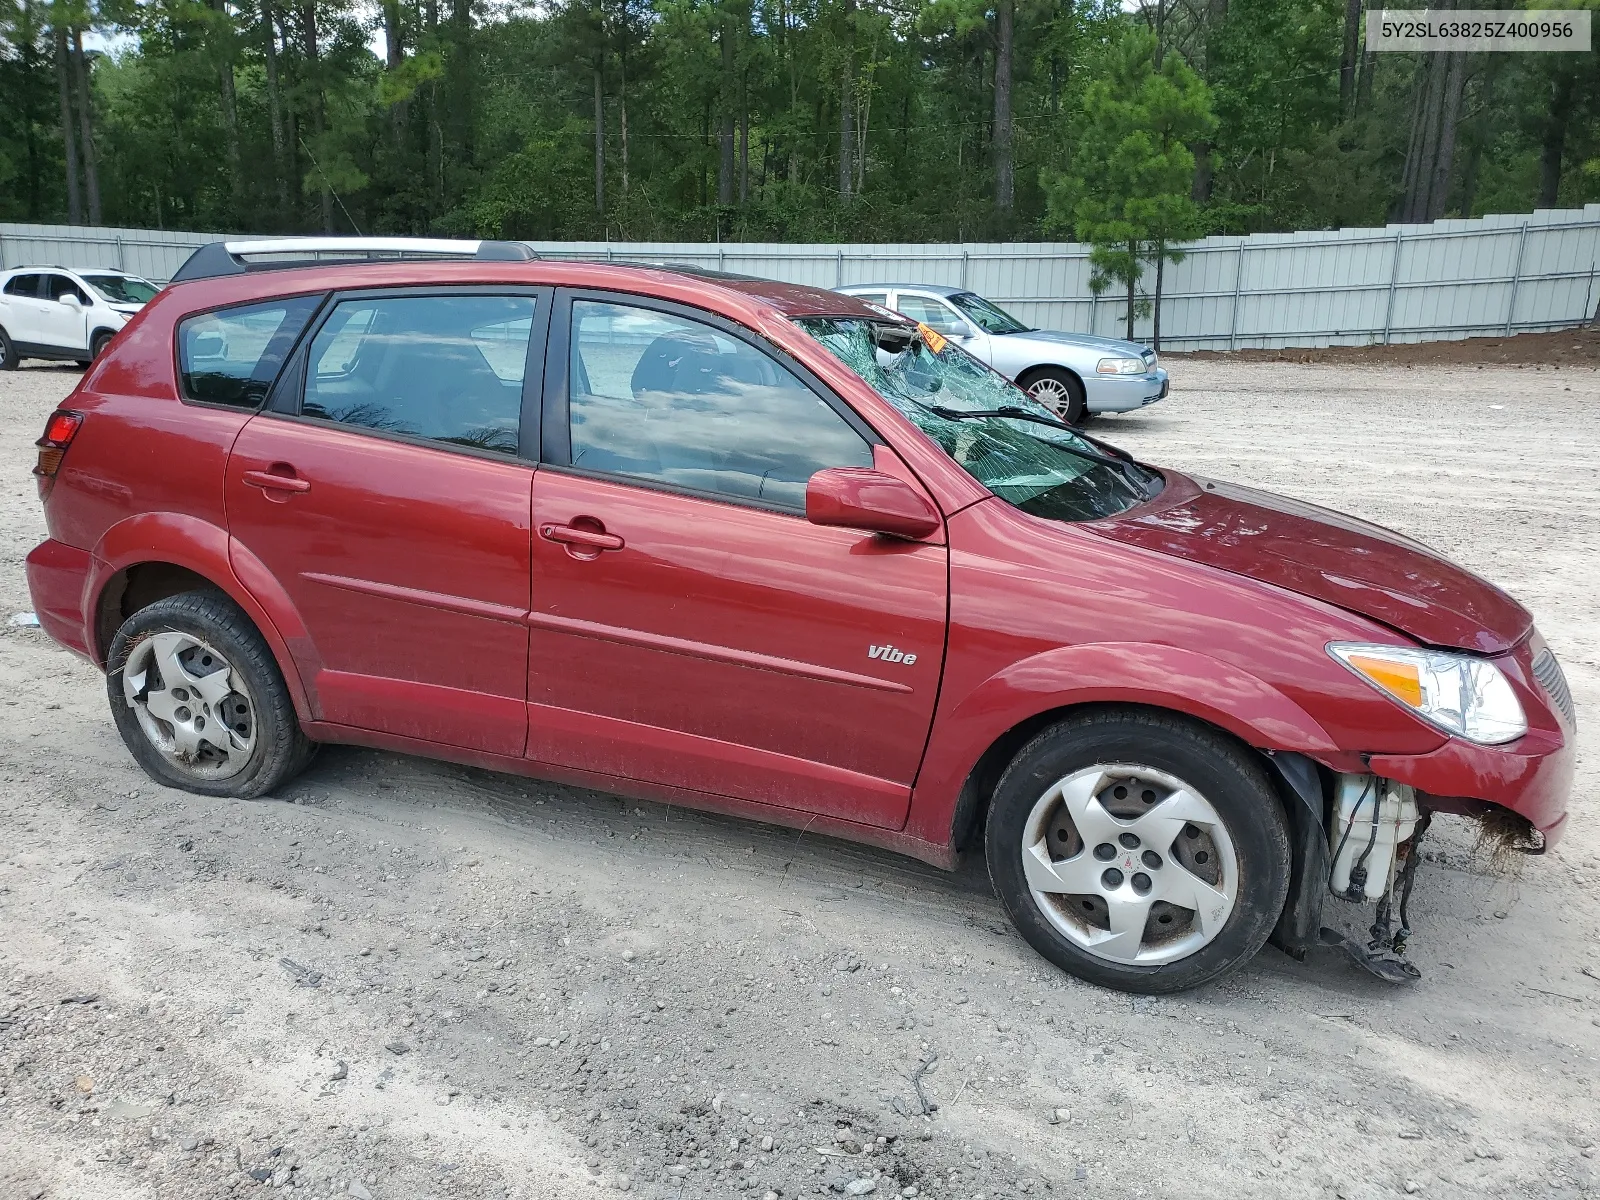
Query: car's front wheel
[199,700]
[98,346]
[1139,851]
[1059,391]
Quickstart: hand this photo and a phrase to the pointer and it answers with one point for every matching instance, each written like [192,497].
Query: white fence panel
[1404,283]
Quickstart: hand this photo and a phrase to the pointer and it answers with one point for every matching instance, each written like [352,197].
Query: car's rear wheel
[199,700]
[1059,391]
[9,358]
[1138,851]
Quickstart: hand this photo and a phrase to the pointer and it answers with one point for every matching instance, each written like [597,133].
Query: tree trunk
[1469,179]
[793,174]
[435,153]
[460,82]
[1425,140]
[725,112]
[1133,259]
[1155,325]
[69,138]
[1200,189]
[319,103]
[91,174]
[1004,166]
[394,58]
[599,142]
[622,106]
[27,38]
[744,151]
[230,109]
[1553,145]
[1350,58]
[275,112]
[846,105]
[1369,66]
[1449,118]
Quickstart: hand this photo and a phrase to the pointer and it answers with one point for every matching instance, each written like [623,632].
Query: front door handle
[287,481]
[574,535]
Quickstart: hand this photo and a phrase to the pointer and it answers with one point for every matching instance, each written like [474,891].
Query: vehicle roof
[936,289]
[789,299]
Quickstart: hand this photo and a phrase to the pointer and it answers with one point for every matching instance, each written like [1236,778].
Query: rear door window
[446,368]
[23,285]
[232,356]
[935,314]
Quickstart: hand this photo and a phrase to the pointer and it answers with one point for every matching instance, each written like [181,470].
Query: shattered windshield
[989,316]
[121,289]
[1038,469]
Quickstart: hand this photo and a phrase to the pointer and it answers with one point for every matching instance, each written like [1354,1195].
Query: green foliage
[486,120]
[1128,191]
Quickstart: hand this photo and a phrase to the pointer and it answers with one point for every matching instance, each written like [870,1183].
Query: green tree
[1129,191]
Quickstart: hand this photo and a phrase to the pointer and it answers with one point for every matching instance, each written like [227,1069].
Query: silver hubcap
[191,704]
[1053,394]
[1130,864]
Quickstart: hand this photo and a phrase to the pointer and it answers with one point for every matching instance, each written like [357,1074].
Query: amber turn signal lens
[1401,680]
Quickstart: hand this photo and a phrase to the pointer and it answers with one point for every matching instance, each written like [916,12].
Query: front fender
[199,546]
[1166,677]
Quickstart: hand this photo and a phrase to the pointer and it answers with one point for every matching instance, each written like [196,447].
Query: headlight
[1120,366]
[1460,694]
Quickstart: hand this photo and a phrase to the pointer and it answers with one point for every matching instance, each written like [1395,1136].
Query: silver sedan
[1074,374]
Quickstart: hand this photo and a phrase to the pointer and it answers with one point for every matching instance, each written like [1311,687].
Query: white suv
[52,312]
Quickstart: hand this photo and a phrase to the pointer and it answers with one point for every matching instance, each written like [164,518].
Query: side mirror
[861,498]
[69,300]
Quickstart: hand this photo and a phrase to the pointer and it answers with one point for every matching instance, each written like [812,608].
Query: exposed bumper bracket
[1384,964]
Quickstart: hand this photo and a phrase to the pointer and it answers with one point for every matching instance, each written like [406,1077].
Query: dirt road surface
[404,979]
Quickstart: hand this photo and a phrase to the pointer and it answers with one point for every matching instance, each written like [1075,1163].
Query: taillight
[59,431]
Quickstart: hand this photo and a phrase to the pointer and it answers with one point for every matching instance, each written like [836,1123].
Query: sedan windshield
[1045,471]
[121,289]
[991,317]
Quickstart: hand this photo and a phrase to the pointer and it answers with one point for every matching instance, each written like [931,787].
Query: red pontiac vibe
[771,551]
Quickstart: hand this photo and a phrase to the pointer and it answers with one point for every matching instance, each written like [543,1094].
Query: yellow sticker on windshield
[931,338]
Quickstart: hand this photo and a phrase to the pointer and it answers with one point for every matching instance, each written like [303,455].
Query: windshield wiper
[1120,459]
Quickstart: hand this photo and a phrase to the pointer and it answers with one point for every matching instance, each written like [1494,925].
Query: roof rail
[271,254]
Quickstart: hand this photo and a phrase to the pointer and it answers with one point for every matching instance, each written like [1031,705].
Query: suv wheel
[199,700]
[97,347]
[1059,391]
[9,358]
[1138,851]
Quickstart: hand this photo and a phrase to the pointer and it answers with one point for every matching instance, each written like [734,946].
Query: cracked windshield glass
[1042,470]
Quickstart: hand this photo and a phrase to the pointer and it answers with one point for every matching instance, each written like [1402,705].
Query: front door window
[669,400]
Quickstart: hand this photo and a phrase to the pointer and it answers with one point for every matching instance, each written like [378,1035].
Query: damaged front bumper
[1518,792]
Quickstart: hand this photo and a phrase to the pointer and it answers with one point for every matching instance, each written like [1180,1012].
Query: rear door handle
[272,481]
[572,535]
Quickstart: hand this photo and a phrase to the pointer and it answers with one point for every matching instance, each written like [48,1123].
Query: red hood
[1327,555]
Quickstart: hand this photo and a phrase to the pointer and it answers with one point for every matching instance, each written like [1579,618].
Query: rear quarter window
[232,356]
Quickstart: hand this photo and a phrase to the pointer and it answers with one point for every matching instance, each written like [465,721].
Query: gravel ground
[407,979]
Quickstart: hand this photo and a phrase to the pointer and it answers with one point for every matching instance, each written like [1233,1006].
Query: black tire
[281,749]
[1064,392]
[9,358]
[1230,779]
[97,347]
